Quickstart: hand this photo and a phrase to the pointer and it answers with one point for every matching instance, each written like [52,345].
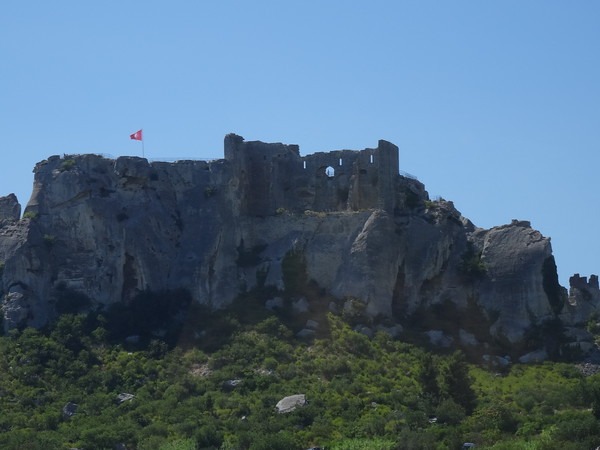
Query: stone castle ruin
[273,176]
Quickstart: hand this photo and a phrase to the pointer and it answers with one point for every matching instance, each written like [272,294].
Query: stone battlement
[275,176]
[579,282]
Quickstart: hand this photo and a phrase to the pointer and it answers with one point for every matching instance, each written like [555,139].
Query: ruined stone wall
[274,176]
[579,282]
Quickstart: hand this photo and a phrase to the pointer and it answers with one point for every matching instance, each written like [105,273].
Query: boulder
[497,361]
[290,403]
[69,410]
[124,397]
[231,384]
[363,329]
[274,303]
[305,333]
[394,331]
[311,324]
[300,305]
[439,339]
[467,339]
[15,308]
[536,356]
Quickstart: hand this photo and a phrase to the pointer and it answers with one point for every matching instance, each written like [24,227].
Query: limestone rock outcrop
[520,270]
[10,209]
[345,221]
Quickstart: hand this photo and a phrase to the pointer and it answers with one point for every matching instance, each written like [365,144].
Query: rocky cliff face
[110,229]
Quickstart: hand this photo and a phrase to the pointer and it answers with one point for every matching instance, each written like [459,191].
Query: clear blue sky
[494,105]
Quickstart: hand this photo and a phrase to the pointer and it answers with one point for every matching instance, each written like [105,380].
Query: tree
[456,382]
[596,402]
[428,374]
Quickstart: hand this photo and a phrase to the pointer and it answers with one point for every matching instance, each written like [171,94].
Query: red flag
[137,136]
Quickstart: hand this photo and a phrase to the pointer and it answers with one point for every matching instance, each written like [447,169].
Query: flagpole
[139,136]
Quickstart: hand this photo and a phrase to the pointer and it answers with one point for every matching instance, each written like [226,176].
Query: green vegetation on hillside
[219,390]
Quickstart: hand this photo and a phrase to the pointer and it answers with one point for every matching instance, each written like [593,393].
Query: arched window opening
[340,161]
[330,171]
[305,164]
[371,159]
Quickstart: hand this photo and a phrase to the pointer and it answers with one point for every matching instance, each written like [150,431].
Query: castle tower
[264,172]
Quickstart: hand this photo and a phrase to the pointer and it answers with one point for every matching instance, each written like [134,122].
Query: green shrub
[450,412]
[275,441]
[32,215]
[180,444]
[471,265]
[578,426]
[67,164]
[364,444]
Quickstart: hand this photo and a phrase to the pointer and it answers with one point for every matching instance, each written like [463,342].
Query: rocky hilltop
[363,236]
